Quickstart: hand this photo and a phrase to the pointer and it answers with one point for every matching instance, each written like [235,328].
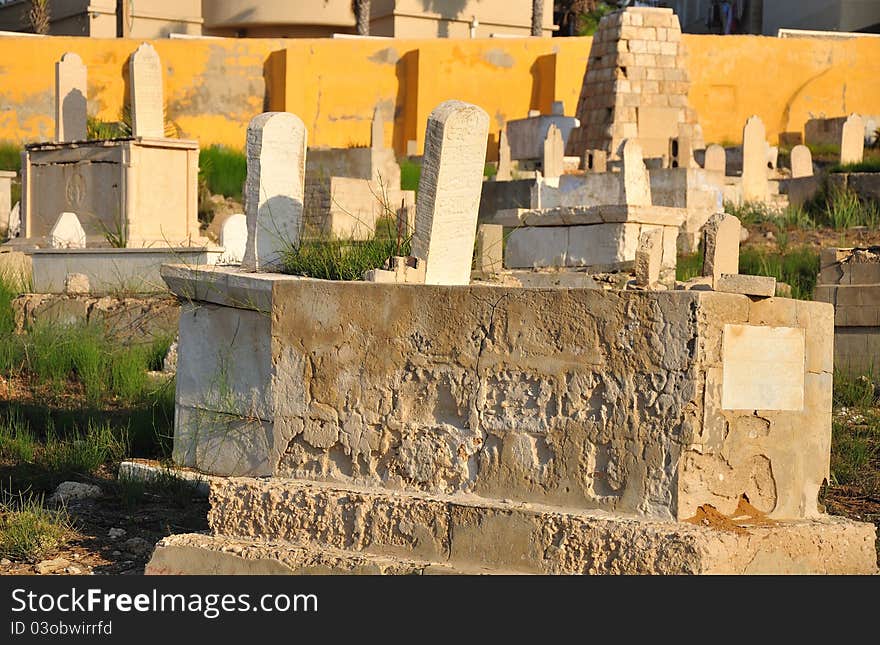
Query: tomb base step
[200,554]
[473,534]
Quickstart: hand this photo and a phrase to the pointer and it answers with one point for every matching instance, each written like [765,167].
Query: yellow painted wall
[214,87]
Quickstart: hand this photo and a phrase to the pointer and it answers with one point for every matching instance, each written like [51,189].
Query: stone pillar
[147,94]
[505,165]
[490,248]
[754,173]
[71,90]
[596,161]
[276,161]
[377,130]
[634,184]
[449,191]
[721,246]
[716,159]
[553,160]
[852,140]
[801,162]
[649,258]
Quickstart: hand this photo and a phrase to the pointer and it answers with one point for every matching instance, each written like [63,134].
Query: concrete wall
[214,87]
[98,18]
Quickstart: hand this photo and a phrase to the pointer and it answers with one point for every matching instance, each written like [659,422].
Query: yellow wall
[214,87]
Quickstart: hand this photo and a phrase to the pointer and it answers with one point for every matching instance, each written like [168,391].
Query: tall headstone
[635,184]
[449,191]
[505,167]
[635,85]
[71,90]
[754,173]
[147,94]
[721,236]
[67,233]
[801,162]
[553,162]
[716,159]
[649,257]
[852,140]
[377,130]
[276,161]
[14,227]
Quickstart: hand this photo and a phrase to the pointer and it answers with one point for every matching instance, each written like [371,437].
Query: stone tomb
[140,191]
[849,278]
[635,85]
[574,431]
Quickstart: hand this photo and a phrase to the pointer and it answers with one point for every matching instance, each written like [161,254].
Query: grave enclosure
[418,421]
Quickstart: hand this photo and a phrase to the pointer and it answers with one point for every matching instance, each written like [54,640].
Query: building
[769,16]
[280,18]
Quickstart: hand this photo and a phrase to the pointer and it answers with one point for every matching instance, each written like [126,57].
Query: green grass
[843,209]
[60,457]
[28,530]
[797,267]
[10,156]
[224,170]
[855,436]
[411,172]
[869,165]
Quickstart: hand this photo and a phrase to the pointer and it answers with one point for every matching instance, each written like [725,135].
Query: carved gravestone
[71,79]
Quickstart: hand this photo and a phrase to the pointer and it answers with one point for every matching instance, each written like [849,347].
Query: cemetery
[604,341]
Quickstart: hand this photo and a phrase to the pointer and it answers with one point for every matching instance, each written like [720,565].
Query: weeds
[83,453]
[843,209]
[10,156]
[29,530]
[224,170]
[797,267]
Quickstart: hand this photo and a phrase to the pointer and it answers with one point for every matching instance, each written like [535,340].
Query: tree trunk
[537,17]
[362,15]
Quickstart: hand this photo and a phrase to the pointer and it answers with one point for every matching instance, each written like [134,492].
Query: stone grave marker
[635,185]
[754,173]
[147,94]
[801,162]
[71,83]
[67,233]
[276,159]
[852,140]
[449,191]
[716,159]
[721,236]
[649,257]
[554,153]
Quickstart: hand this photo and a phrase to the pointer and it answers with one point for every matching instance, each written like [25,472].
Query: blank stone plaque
[763,368]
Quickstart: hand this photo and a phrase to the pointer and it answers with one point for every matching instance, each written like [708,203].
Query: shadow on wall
[448,9]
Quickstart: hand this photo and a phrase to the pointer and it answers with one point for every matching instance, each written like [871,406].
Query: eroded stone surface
[448,199]
[147,93]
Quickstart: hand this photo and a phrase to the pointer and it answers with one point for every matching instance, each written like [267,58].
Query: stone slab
[586,215]
[748,285]
[113,271]
[361,526]
[763,368]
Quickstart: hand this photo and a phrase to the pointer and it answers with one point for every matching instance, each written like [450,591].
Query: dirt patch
[743,517]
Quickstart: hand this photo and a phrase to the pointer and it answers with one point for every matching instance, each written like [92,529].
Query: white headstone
[852,140]
[67,233]
[449,191]
[71,87]
[553,162]
[147,94]
[276,160]
[716,159]
[754,173]
[801,162]
[233,238]
[635,186]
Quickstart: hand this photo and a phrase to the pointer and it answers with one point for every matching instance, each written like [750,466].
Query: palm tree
[362,16]
[537,17]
